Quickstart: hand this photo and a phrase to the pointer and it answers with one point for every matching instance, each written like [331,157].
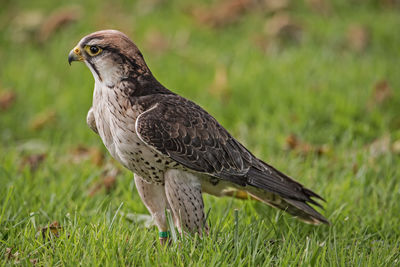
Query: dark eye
[94,49]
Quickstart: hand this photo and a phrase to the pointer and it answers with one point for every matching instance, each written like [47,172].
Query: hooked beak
[75,55]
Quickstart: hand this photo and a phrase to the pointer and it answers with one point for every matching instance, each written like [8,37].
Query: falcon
[175,149]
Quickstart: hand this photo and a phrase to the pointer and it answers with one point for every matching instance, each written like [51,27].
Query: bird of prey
[175,149]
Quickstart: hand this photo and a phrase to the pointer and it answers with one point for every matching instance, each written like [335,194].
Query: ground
[312,89]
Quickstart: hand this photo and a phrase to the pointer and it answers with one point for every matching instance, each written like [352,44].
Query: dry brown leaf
[226,12]
[279,30]
[390,3]
[108,181]
[9,255]
[303,148]
[283,26]
[156,42]
[42,119]
[358,37]
[50,231]
[82,153]
[7,99]
[96,156]
[222,13]
[57,20]
[381,93]
[320,6]
[220,88]
[32,161]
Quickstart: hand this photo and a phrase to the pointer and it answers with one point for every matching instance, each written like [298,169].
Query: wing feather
[186,133]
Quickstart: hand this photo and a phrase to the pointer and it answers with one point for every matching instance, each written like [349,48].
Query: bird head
[110,55]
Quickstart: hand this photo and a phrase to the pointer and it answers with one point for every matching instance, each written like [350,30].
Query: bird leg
[91,121]
[183,191]
[153,197]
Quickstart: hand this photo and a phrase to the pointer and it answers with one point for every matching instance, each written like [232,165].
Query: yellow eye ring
[93,50]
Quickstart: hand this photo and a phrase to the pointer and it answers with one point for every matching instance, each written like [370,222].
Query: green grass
[318,90]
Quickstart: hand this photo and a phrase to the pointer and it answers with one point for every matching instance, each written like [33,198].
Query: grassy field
[312,89]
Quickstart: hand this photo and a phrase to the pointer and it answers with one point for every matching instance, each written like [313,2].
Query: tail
[275,188]
[272,187]
[299,209]
[302,210]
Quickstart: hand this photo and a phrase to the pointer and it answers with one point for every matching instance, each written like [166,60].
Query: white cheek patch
[106,69]
[109,72]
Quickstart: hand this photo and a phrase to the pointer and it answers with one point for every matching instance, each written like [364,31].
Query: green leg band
[164,234]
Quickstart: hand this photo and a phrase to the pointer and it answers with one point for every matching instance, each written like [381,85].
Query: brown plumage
[176,149]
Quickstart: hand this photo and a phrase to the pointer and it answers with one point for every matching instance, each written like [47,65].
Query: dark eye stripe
[95,69]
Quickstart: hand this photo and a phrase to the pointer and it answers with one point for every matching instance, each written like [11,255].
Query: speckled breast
[115,122]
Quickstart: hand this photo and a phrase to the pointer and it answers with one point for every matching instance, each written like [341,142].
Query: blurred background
[311,87]
[325,70]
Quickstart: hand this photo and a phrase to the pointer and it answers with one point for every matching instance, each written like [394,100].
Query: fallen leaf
[320,6]
[226,12]
[82,153]
[56,20]
[7,99]
[279,31]
[282,26]
[11,256]
[8,253]
[381,93]
[390,3]
[358,37]
[96,156]
[222,13]
[32,161]
[303,148]
[379,146]
[292,141]
[108,181]
[50,231]
[220,88]
[156,42]
[42,119]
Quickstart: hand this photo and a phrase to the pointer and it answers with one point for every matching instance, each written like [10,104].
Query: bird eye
[93,50]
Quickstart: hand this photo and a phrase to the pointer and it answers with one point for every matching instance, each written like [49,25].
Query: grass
[319,89]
